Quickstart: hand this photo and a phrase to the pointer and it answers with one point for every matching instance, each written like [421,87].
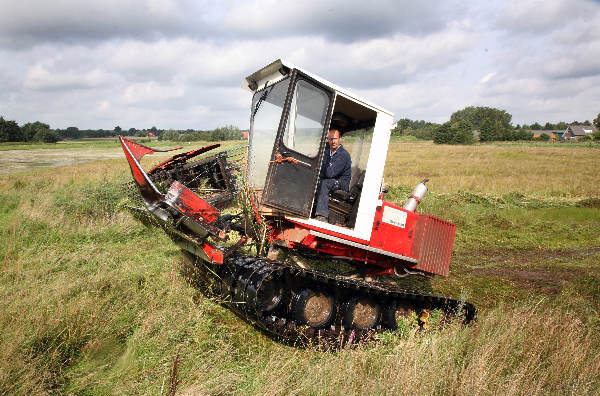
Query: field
[92,302]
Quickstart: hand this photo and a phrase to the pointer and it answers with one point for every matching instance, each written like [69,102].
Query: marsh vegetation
[92,302]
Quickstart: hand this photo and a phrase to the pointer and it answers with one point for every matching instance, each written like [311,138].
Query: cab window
[306,121]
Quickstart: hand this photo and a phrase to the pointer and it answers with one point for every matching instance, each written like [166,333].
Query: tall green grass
[92,302]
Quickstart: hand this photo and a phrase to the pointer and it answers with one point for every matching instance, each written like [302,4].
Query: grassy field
[91,302]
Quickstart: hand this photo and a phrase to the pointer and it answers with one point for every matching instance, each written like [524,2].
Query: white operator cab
[291,114]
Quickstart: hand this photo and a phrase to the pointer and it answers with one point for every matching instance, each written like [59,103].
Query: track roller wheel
[314,308]
[361,313]
[270,296]
[395,312]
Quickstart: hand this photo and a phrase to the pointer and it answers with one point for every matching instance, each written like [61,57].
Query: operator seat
[343,205]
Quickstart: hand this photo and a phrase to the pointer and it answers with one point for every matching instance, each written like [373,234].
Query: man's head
[334,139]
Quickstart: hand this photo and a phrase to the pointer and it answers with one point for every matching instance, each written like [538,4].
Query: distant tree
[499,131]
[548,126]
[462,132]
[443,134]
[228,132]
[96,133]
[427,132]
[10,131]
[536,126]
[70,133]
[407,126]
[523,134]
[562,125]
[46,136]
[476,116]
[487,131]
[587,123]
[596,122]
[171,135]
[402,125]
[31,129]
[508,134]
[141,134]
[132,131]
[424,132]
[117,130]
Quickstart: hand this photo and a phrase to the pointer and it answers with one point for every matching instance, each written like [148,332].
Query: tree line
[228,132]
[38,131]
[492,124]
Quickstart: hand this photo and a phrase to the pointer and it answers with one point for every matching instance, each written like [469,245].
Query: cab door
[295,162]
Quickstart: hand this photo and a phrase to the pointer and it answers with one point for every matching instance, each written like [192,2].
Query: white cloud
[151,91]
[338,20]
[103,106]
[487,77]
[543,16]
[39,77]
[25,23]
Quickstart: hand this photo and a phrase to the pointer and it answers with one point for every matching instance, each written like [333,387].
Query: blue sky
[179,64]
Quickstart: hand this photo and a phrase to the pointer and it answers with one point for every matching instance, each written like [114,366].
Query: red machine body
[400,240]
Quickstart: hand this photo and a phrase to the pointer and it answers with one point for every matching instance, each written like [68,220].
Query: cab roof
[278,69]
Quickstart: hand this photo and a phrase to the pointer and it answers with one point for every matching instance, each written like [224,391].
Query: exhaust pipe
[417,195]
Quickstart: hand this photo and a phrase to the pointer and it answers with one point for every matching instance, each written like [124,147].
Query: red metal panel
[433,243]
[136,149]
[421,237]
[191,204]
[392,236]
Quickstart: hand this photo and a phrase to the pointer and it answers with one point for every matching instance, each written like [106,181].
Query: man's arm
[347,172]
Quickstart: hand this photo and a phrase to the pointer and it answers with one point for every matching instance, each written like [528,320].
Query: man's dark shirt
[337,167]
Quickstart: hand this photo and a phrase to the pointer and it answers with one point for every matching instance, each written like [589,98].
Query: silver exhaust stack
[417,195]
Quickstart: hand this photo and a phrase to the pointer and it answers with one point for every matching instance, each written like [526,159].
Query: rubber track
[244,279]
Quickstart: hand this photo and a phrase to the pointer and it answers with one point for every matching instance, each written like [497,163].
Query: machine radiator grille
[432,245]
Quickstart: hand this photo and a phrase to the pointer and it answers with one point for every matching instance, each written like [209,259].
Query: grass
[94,303]
[551,171]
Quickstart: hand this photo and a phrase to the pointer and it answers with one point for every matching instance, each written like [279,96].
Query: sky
[180,63]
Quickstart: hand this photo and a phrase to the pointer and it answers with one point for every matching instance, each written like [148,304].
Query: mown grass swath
[93,302]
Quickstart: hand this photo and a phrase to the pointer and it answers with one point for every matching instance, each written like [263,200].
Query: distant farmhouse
[576,131]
